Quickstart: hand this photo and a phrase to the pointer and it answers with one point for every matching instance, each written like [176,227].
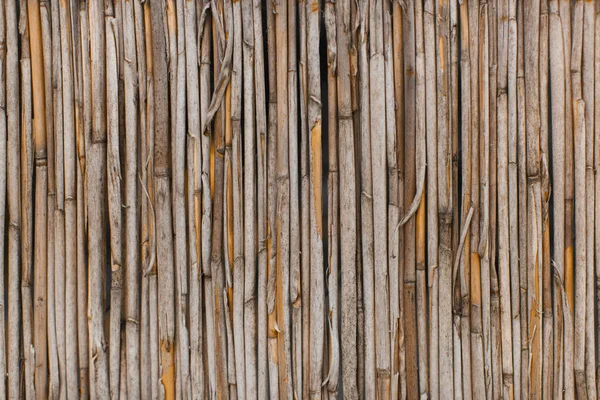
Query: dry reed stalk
[42,369]
[347,205]
[262,213]
[273,339]
[444,199]
[114,204]
[531,22]
[333,206]
[39,127]
[463,304]
[378,148]
[366,204]
[547,311]
[454,135]
[564,10]
[164,229]
[432,198]
[249,156]
[215,280]
[409,248]
[503,203]
[96,184]
[513,194]
[238,238]
[317,231]
[596,131]
[26,200]
[589,18]
[393,196]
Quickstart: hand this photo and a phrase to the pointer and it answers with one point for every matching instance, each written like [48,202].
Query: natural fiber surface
[312,199]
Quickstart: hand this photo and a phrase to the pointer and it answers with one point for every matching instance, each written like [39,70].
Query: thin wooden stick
[3,180]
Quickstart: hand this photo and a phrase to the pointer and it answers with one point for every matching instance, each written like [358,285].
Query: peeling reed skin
[315,199]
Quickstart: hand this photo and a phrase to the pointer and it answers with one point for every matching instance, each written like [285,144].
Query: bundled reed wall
[247,199]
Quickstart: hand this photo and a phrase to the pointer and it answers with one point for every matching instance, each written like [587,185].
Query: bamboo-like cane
[503,203]
[317,230]
[70,203]
[273,339]
[96,184]
[40,261]
[409,278]
[463,307]
[513,193]
[487,246]
[444,200]
[3,179]
[26,203]
[548,373]
[596,131]
[333,209]
[130,203]
[588,97]
[82,262]
[432,198]
[295,193]
[564,9]
[378,148]
[114,204]
[522,207]
[348,230]
[397,318]
[262,214]
[249,157]
[531,22]
[238,222]
[333,204]
[367,203]
[164,228]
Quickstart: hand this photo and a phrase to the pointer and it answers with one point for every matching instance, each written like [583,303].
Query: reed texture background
[248,199]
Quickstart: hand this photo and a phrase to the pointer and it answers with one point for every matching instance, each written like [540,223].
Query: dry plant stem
[596,132]
[130,203]
[317,284]
[26,200]
[303,384]
[184,383]
[366,203]
[164,228]
[193,150]
[432,198]
[272,334]
[503,203]
[40,260]
[70,217]
[547,311]
[114,204]
[444,199]
[238,217]
[580,244]
[531,21]
[398,366]
[463,304]
[262,232]
[589,18]
[513,194]
[249,156]
[409,193]
[481,176]
[347,205]
[3,178]
[96,185]
[333,227]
